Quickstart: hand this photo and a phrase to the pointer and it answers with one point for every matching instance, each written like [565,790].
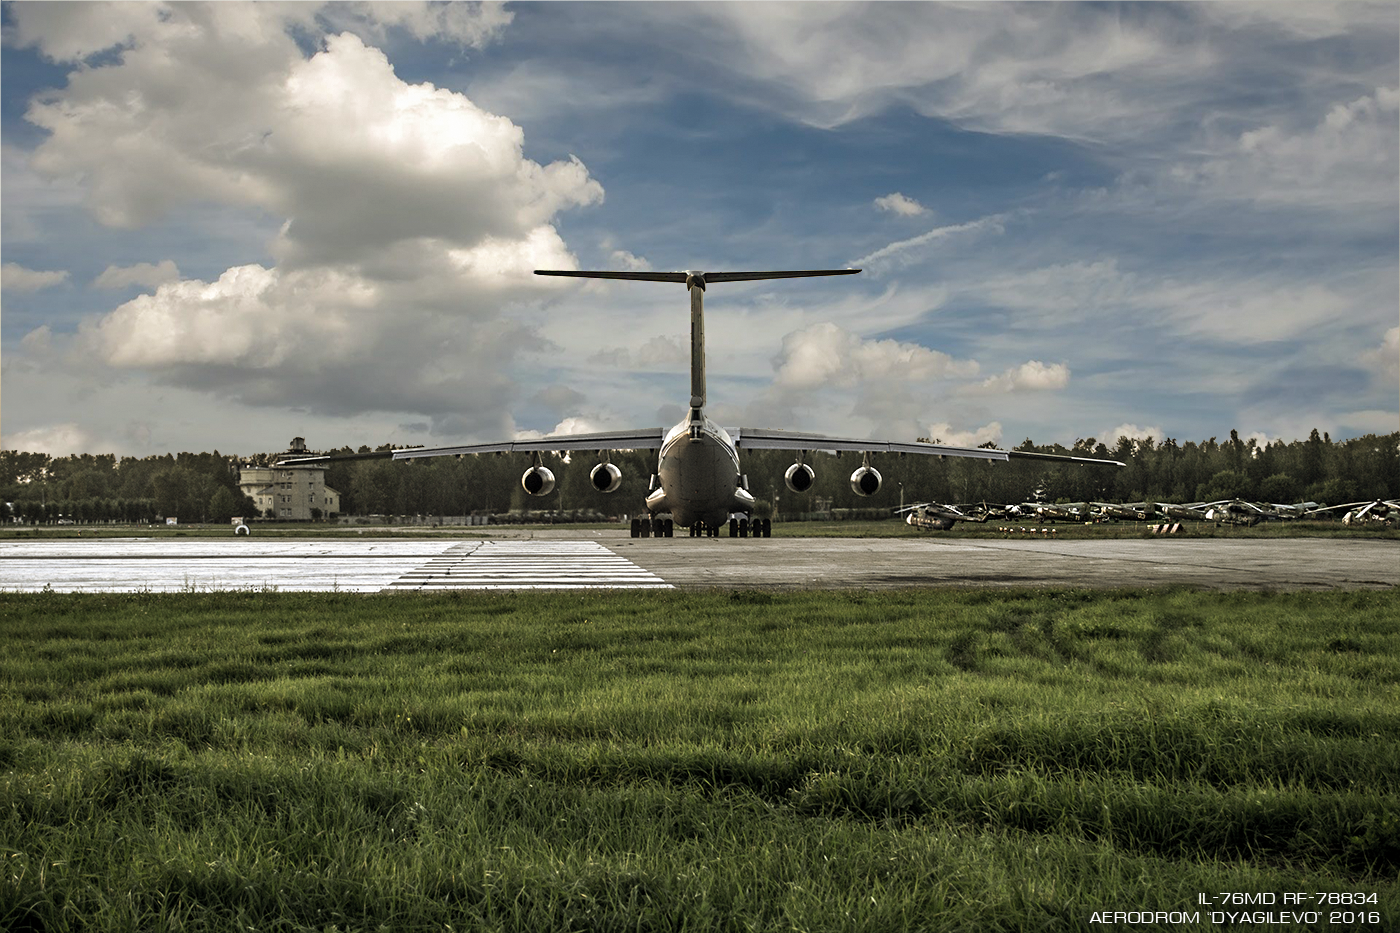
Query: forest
[87,488]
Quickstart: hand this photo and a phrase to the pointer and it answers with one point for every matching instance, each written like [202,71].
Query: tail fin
[696,282]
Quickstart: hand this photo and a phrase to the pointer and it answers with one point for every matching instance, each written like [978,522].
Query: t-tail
[695,282]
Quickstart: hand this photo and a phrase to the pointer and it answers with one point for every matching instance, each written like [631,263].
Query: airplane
[698,478]
[938,517]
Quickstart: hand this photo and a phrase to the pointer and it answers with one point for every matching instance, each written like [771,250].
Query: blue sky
[227,225]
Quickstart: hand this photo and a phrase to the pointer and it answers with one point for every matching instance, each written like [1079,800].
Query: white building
[289,492]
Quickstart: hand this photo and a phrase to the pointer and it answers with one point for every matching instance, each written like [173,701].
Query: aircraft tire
[644,524]
[636,528]
[733,528]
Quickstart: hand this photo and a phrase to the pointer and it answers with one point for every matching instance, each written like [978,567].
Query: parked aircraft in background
[1179,512]
[935,516]
[1232,512]
[1284,512]
[698,479]
[1128,511]
[1055,512]
[1385,512]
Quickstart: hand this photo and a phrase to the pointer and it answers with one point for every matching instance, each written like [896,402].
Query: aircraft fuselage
[698,475]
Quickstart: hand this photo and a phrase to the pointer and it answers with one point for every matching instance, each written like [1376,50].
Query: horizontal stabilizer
[678,277]
[755,276]
[682,277]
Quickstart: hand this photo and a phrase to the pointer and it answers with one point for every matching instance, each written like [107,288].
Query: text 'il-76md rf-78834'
[698,479]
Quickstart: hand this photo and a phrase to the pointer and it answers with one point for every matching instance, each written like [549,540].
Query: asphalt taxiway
[532,558]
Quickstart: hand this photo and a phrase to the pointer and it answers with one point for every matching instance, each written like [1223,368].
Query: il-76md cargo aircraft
[698,479]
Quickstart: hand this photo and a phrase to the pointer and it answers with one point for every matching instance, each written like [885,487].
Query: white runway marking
[528,565]
[162,566]
[134,565]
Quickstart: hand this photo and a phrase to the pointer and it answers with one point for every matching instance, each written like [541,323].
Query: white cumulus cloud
[944,433]
[1346,159]
[1032,376]
[411,216]
[663,353]
[627,262]
[145,274]
[828,355]
[835,381]
[897,203]
[57,440]
[17,278]
[1132,432]
[1384,360]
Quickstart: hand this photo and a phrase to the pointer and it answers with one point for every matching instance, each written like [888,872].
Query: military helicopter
[1233,512]
[1377,511]
[934,516]
[1282,512]
[1128,511]
[1055,512]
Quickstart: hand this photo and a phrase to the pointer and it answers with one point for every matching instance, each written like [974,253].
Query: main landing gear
[666,528]
[648,527]
[743,527]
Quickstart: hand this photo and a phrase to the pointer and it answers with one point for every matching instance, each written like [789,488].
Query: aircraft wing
[765,439]
[645,439]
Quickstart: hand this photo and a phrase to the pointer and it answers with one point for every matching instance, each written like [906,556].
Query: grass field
[908,760]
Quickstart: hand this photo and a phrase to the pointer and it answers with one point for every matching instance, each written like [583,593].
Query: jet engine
[865,481]
[538,481]
[799,477]
[605,477]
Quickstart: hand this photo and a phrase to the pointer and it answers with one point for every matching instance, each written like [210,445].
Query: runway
[569,559]
[131,565]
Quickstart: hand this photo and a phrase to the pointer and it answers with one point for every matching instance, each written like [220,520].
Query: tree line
[204,487]
[95,488]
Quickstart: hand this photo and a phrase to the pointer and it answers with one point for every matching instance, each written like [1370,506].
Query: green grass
[936,760]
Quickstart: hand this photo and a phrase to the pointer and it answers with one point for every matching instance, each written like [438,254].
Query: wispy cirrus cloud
[908,250]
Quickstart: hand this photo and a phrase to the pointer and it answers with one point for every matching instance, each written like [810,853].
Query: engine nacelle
[605,477]
[799,477]
[538,481]
[865,481]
